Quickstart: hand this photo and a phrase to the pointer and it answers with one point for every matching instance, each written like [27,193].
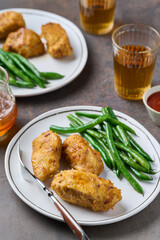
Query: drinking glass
[8,108]
[135,48]
[97,16]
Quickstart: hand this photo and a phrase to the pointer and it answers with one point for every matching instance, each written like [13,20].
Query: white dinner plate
[70,66]
[131,203]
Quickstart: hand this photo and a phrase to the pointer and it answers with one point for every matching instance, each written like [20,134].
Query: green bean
[108,152]
[101,132]
[12,81]
[118,173]
[116,134]
[142,161]
[30,66]
[105,141]
[51,75]
[112,121]
[140,175]
[111,113]
[18,83]
[129,161]
[123,136]
[74,119]
[97,147]
[5,54]
[138,148]
[79,129]
[72,125]
[13,69]
[119,163]
[102,127]
[25,71]
[104,112]
[87,115]
[104,144]
[94,133]
[23,84]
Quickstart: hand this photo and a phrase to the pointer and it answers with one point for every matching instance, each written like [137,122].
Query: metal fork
[68,218]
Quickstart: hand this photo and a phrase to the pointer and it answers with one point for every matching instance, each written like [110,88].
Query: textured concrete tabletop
[94,87]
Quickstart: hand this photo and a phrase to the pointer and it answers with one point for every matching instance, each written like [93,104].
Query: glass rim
[7,76]
[139,25]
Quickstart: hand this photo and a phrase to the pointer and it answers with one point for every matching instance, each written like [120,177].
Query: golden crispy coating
[9,22]
[58,44]
[25,42]
[80,156]
[46,155]
[86,189]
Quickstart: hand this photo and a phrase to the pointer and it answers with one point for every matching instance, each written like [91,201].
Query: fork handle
[69,219]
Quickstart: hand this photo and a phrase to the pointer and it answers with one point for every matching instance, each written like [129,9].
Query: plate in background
[70,66]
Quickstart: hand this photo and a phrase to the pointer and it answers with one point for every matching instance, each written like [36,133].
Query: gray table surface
[94,86]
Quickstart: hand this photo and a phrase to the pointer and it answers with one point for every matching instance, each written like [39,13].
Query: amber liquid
[8,113]
[133,72]
[97,17]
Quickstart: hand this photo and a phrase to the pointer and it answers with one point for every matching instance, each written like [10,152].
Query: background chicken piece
[25,42]
[86,189]
[80,156]
[9,22]
[58,44]
[46,155]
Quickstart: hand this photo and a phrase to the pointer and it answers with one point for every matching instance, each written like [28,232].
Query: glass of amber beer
[97,16]
[135,48]
[8,109]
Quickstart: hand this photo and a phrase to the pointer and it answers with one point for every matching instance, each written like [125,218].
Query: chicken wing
[86,189]
[25,42]
[46,155]
[9,22]
[58,44]
[80,156]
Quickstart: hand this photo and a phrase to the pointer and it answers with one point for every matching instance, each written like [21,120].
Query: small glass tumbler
[97,16]
[135,49]
[8,108]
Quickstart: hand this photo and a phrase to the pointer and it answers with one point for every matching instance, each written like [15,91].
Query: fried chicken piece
[25,42]
[80,156]
[58,44]
[86,189]
[9,22]
[46,155]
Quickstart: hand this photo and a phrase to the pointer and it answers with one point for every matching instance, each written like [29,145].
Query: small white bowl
[155,116]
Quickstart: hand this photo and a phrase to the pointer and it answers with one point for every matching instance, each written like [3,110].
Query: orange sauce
[154,101]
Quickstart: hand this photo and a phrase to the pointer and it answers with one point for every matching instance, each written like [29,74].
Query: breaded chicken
[9,22]
[86,189]
[58,44]
[80,156]
[46,155]
[25,42]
